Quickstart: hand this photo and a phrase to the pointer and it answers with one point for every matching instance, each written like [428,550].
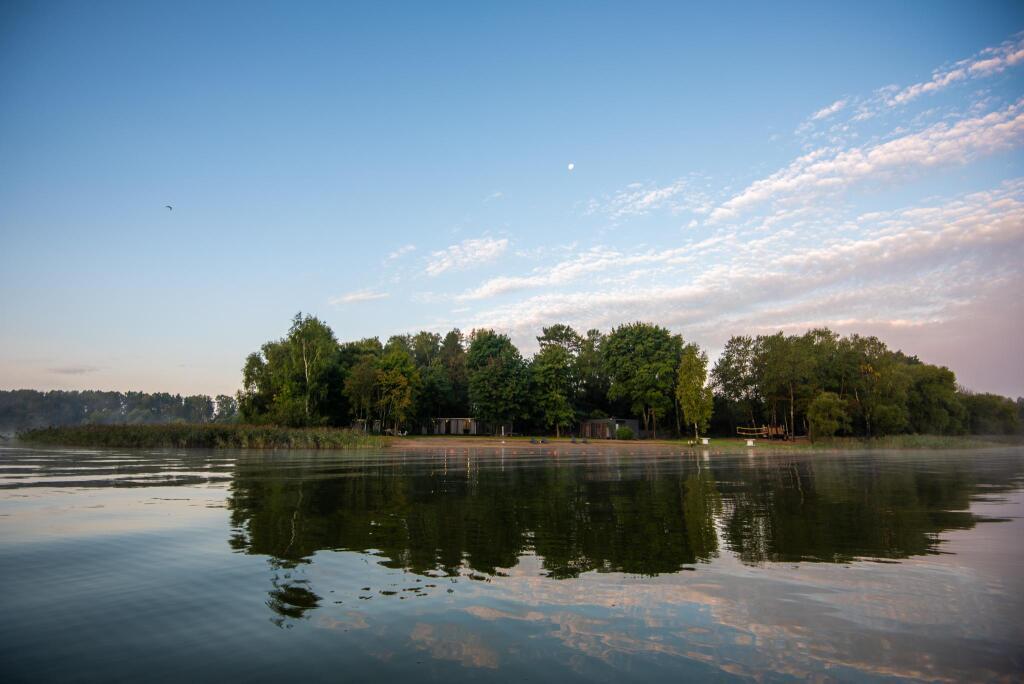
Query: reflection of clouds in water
[907,621]
[349,619]
[447,641]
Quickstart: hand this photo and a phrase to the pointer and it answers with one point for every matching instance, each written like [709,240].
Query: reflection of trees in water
[424,519]
[648,517]
[837,510]
[290,598]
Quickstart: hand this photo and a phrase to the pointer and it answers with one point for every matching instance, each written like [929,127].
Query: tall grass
[184,436]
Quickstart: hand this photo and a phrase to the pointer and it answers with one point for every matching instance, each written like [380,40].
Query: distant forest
[26,409]
[819,384]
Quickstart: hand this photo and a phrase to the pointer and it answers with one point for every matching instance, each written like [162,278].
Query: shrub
[623,433]
[827,415]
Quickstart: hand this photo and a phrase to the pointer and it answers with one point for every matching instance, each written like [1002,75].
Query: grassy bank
[185,436]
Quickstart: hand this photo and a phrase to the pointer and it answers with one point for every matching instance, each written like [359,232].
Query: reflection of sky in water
[139,579]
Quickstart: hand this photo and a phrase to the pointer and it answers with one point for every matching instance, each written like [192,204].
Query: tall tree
[398,382]
[553,387]
[452,357]
[640,360]
[592,394]
[692,391]
[563,336]
[296,380]
[933,406]
[361,387]
[498,381]
[735,376]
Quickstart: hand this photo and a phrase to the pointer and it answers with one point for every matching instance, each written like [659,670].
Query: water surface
[554,565]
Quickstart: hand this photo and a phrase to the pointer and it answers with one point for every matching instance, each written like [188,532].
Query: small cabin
[468,426]
[605,428]
[456,426]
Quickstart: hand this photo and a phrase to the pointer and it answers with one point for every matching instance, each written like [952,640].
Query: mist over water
[553,565]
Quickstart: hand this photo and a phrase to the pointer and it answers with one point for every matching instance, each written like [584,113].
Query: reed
[187,436]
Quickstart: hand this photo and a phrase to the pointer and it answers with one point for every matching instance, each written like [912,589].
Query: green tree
[640,360]
[552,386]
[692,391]
[361,387]
[879,388]
[827,415]
[296,380]
[563,336]
[197,408]
[398,381]
[990,414]
[498,381]
[592,380]
[734,376]
[933,406]
[452,357]
[785,365]
[227,409]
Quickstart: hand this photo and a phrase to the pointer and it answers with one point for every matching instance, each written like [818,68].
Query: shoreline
[717,444]
[234,436]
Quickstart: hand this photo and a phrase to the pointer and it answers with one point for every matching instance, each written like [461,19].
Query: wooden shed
[605,428]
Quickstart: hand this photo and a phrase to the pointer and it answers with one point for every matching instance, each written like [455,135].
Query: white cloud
[828,111]
[357,296]
[466,254]
[399,253]
[830,169]
[494,196]
[595,260]
[906,273]
[989,61]
[986,63]
[636,199]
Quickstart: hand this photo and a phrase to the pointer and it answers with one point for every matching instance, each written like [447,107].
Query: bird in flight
[169,207]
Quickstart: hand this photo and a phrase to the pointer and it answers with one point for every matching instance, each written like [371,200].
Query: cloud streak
[74,370]
[827,170]
[357,296]
[465,255]
[828,111]
[988,62]
[905,271]
[399,253]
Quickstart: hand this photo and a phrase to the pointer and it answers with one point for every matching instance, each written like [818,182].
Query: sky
[736,169]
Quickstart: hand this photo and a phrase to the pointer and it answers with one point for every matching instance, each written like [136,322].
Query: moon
[571,166]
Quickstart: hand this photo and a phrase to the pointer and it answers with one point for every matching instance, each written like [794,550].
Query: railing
[762,431]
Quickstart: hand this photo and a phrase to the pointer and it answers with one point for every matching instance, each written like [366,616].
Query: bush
[827,415]
[623,433]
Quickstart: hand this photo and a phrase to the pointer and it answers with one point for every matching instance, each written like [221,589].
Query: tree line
[27,409]
[818,384]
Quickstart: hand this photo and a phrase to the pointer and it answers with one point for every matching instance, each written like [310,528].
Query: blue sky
[738,169]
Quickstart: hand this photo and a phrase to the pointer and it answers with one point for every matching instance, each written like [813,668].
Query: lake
[568,564]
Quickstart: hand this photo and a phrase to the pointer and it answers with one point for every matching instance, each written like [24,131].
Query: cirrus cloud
[357,296]
[466,254]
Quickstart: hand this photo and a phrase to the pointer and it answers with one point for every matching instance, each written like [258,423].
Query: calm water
[510,565]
